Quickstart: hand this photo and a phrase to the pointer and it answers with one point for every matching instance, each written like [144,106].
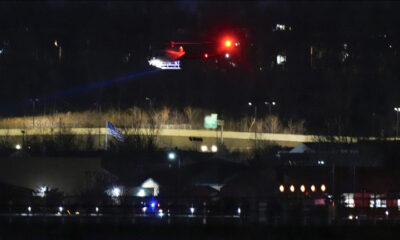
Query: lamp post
[172,155]
[270,104]
[59,50]
[150,102]
[397,109]
[255,119]
[33,100]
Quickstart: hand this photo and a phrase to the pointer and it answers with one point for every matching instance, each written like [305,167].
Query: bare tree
[272,124]
[296,127]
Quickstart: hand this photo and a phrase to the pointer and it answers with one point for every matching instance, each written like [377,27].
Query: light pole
[397,109]
[270,104]
[59,50]
[33,100]
[255,110]
[151,111]
[150,102]
[255,119]
[172,156]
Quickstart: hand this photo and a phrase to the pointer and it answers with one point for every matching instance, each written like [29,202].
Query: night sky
[104,40]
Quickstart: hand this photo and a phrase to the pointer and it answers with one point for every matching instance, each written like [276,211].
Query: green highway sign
[210,121]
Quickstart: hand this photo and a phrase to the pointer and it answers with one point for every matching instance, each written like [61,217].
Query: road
[180,137]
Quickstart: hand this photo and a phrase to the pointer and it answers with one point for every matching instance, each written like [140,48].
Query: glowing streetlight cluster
[292,188]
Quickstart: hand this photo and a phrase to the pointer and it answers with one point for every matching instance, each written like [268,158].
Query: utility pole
[397,109]
[33,100]
[270,104]
[255,122]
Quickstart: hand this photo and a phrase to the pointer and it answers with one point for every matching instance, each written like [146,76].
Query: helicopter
[170,57]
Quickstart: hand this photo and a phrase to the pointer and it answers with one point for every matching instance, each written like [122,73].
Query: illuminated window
[280,59]
[371,203]
[377,202]
[280,27]
[349,200]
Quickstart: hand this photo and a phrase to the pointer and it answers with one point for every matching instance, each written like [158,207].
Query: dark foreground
[19,230]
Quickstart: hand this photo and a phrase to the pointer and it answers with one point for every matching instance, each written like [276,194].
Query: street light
[397,109]
[150,102]
[270,104]
[192,210]
[59,50]
[34,101]
[281,188]
[214,148]
[204,148]
[255,119]
[172,156]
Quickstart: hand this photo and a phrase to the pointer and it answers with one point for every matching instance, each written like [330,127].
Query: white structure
[302,148]
[150,183]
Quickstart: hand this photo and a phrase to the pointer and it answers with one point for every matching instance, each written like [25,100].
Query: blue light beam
[80,89]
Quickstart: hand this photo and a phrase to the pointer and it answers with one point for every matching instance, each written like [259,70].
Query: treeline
[135,117]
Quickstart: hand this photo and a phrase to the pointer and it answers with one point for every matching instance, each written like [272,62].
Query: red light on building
[205,55]
[228,43]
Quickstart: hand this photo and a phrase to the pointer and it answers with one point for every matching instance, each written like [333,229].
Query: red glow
[206,55]
[174,55]
[226,44]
